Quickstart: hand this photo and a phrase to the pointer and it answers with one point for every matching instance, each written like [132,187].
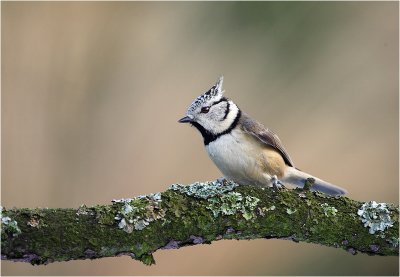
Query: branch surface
[196,214]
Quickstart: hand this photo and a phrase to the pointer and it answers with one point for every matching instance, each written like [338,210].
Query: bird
[245,151]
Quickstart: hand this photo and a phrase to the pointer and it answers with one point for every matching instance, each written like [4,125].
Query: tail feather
[297,178]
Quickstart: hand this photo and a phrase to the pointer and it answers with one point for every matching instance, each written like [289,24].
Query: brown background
[91,95]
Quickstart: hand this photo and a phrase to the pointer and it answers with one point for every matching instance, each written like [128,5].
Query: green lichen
[84,210]
[394,241]
[139,212]
[9,226]
[231,203]
[247,209]
[290,211]
[329,210]
[105,215]
[205,190]
[176,203]
[262,211]
[375,216]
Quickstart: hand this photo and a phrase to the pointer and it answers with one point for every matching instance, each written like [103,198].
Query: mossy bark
[49,235]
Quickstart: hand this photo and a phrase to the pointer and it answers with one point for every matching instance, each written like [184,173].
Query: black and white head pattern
[212,114]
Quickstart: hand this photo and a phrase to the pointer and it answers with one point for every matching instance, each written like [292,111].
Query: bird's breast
[238,157]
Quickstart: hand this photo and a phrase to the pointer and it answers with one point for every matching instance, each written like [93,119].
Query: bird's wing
[265,136]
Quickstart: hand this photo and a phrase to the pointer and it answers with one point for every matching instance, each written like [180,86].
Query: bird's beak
[185,119]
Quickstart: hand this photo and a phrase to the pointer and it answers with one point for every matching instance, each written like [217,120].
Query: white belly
[239,162]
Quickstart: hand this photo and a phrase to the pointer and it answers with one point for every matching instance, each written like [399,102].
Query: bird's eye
[205,110]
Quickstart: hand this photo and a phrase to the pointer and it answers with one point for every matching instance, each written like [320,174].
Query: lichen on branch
[196,214]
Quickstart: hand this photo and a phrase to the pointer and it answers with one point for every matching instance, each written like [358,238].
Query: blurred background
[92,91]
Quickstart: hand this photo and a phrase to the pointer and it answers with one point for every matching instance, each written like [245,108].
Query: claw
[276,183]
[221,180]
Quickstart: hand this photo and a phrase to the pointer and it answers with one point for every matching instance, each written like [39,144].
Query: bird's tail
[297,178]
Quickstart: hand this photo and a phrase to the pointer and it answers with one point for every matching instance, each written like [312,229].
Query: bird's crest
[215,93]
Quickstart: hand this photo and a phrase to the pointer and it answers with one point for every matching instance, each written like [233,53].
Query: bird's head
[211,113]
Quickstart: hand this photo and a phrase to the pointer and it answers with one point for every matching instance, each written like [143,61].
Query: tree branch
[196,214]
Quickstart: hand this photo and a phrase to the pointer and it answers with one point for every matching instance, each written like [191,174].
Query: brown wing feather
[266,136]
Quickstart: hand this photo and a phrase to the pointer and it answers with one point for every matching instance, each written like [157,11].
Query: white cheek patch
[217,126]
[233,112]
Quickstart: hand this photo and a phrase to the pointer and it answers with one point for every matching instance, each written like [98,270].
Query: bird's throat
[208,136]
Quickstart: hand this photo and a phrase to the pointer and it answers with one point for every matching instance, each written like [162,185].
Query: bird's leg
[221,180]
[276,183]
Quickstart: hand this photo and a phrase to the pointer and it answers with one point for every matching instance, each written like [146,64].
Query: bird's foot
[221,180]
[276,183]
